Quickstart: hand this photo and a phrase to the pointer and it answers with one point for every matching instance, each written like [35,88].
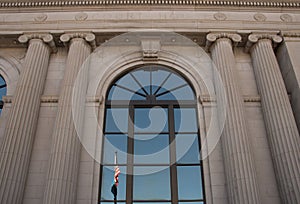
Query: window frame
[149,103]
[2,86]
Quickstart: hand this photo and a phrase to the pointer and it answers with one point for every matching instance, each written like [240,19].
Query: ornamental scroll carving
[45,37]
[212,37]
[254,38]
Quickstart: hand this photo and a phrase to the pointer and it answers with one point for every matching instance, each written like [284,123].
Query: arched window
[2,91]
[151,122]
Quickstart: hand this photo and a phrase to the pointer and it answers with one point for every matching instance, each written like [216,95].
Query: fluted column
[65,151]
[281,127]
[21,125]
[238,159]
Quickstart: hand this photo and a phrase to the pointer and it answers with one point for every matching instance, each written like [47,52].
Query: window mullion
[173,173]
[129,176]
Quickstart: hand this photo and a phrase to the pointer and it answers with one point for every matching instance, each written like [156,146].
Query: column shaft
[282,131]
[65,151]
[238,159]
[21,126]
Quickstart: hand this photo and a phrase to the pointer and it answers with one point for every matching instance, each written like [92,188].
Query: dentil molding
[149,2]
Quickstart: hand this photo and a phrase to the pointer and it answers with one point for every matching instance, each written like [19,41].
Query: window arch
[2,91]
[151,121]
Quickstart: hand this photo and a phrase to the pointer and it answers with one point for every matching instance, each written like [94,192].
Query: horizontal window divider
[186,133]
[149,133]
[150,201]
[146,103]
[149,165]
[192,164]
[196,200]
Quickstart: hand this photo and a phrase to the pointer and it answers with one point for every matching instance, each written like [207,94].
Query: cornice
[149,2]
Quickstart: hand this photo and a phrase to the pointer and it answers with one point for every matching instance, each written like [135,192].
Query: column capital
[88,37]
[255,37]
[45,37]
[213,37]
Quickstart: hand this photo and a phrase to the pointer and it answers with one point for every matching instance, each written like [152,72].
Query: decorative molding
[89,37]
[212,99]
[212,37]
[251,99]
[202,99]
[49,99]
[94,99]
[45,37]
[7,99]
[254,38]
[295,34]
[150,2]
[260,17]
[41,17]
[81,16]
[150,48]
[286,18]
[220,16]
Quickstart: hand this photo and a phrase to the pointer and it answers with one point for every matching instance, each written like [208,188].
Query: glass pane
[196,202]
[115,143]
[108,181]
[151,148]
[151,202]
[128,82]
[117,93]
[173,81]
[151,120]
[143,78]
[116,120]
[158,77]
[151,183]
[183,93]
[187,148]
[185,120]
[189,182]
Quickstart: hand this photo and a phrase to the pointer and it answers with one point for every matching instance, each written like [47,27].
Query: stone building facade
[59,60]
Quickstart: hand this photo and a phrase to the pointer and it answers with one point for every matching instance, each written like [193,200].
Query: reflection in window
[2,91]
[151,121]
[151,186]
[155,82]
[189,177]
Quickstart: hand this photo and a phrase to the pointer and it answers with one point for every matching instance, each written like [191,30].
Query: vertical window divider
[172,142]
[130,150]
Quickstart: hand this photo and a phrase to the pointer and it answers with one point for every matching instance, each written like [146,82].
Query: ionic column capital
[213,37]
[45,37]
[88,37]
[255,37]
